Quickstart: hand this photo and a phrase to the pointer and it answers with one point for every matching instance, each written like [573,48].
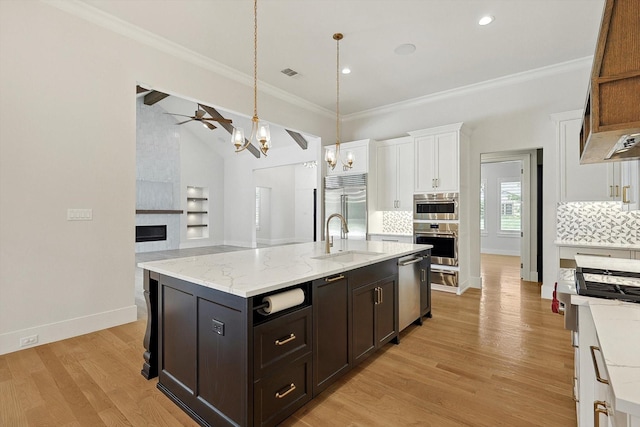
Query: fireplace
[151,233]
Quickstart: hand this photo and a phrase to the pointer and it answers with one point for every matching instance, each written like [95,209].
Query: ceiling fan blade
[209,125]
[200,114]
[181,115]
[186,121]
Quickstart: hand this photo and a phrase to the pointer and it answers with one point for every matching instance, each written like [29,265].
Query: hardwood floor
[496,357]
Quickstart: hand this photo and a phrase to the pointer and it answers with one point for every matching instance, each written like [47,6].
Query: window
[483,188]
[510,205]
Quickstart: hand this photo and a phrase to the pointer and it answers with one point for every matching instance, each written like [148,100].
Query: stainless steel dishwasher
[409,279]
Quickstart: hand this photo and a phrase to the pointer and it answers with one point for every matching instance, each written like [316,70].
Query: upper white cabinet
[394,174]
[594,181]
[437,159]
[360,150]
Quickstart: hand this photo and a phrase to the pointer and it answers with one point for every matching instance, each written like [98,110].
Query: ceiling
[452,50]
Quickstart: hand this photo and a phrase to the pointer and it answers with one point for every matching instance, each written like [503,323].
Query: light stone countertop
[256,271]
[599,245]
[618,329]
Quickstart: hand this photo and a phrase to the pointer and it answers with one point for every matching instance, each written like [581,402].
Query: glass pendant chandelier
[259,129]
[332,155]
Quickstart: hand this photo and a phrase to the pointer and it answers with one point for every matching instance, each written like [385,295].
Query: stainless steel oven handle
[449,272]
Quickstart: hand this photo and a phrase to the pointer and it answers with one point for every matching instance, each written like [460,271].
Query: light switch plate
[79,214]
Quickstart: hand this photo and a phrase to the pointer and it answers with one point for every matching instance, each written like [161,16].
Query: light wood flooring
[496,357]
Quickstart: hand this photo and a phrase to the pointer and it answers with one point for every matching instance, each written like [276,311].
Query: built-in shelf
[197,212]
[159,212]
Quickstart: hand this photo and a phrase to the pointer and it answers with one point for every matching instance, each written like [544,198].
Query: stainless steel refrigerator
[346,195]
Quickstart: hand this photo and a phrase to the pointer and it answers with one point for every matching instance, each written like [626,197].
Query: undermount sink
[349,256]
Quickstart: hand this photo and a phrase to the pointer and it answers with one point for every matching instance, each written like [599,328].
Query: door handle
[625,199]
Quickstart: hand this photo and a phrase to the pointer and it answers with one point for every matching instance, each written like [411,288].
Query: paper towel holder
[260,317]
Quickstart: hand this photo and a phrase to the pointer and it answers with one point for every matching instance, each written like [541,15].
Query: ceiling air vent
[289,72]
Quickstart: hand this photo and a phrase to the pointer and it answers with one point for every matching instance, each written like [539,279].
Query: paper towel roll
[283,300]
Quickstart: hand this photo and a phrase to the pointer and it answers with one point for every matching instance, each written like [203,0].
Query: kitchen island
[231,347]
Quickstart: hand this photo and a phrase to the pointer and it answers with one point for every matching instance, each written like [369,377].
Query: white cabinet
[394,174]
[437,159]
[360,151]
[595,181]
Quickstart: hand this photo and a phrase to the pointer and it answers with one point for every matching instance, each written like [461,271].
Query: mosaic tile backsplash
[397,222]
[597,222]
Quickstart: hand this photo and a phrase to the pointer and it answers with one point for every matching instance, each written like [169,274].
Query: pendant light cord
[255,58]
[337,37]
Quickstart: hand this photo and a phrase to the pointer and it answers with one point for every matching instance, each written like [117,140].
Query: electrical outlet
[79,214]
[218,327]
[27,341]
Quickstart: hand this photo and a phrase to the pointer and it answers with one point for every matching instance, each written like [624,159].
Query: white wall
[493,242]
[512,115]
[68,140]
[202,166]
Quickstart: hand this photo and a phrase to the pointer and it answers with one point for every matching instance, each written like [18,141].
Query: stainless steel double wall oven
[435,223]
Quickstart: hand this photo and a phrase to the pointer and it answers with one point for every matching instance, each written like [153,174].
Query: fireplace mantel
[158,212]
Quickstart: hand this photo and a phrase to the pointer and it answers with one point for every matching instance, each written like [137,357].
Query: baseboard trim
[10,341]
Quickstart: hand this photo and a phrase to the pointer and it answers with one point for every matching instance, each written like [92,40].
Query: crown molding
[536,73]
[119,26]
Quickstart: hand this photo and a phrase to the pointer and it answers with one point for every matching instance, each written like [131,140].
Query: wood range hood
[611,125]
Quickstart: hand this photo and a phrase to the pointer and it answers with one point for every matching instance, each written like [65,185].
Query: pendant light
[259,129]
[332,155]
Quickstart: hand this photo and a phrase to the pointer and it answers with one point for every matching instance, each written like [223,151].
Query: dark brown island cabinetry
[374,292]
[226,363]
[330,330]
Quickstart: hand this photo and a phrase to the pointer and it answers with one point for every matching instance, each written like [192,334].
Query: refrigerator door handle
[346,215]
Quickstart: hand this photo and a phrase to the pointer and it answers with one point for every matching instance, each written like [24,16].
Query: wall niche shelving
[197,212]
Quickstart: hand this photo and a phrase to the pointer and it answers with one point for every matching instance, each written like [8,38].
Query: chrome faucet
[326,234]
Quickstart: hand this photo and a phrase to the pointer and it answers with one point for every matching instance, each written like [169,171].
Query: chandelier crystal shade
[260,132]
[332,155]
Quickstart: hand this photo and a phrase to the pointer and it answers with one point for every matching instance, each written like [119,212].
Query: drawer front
[281,340]
[283,392]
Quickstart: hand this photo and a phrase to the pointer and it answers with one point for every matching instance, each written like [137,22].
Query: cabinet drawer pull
[602,255]
[593,348]
[611,191]
[283,341]
[381,299]
[625,198]
[573,390]
[333,279]
[617,191]
[290,388]
[597,410]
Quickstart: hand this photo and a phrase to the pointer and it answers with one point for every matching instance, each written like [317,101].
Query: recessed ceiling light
[346,70]
[405,49]
[486,20]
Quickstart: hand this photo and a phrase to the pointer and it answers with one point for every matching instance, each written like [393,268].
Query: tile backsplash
[597,222]
[397,222]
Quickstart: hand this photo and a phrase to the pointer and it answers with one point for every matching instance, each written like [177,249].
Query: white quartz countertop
[600,245]
[256,271]
[607,263]
[618,329]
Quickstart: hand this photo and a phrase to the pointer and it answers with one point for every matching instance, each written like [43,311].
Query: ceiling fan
[199,116]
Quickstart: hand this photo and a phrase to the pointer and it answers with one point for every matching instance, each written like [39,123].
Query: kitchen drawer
[281,340]
[391,238]
[282,392]
[568,253]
